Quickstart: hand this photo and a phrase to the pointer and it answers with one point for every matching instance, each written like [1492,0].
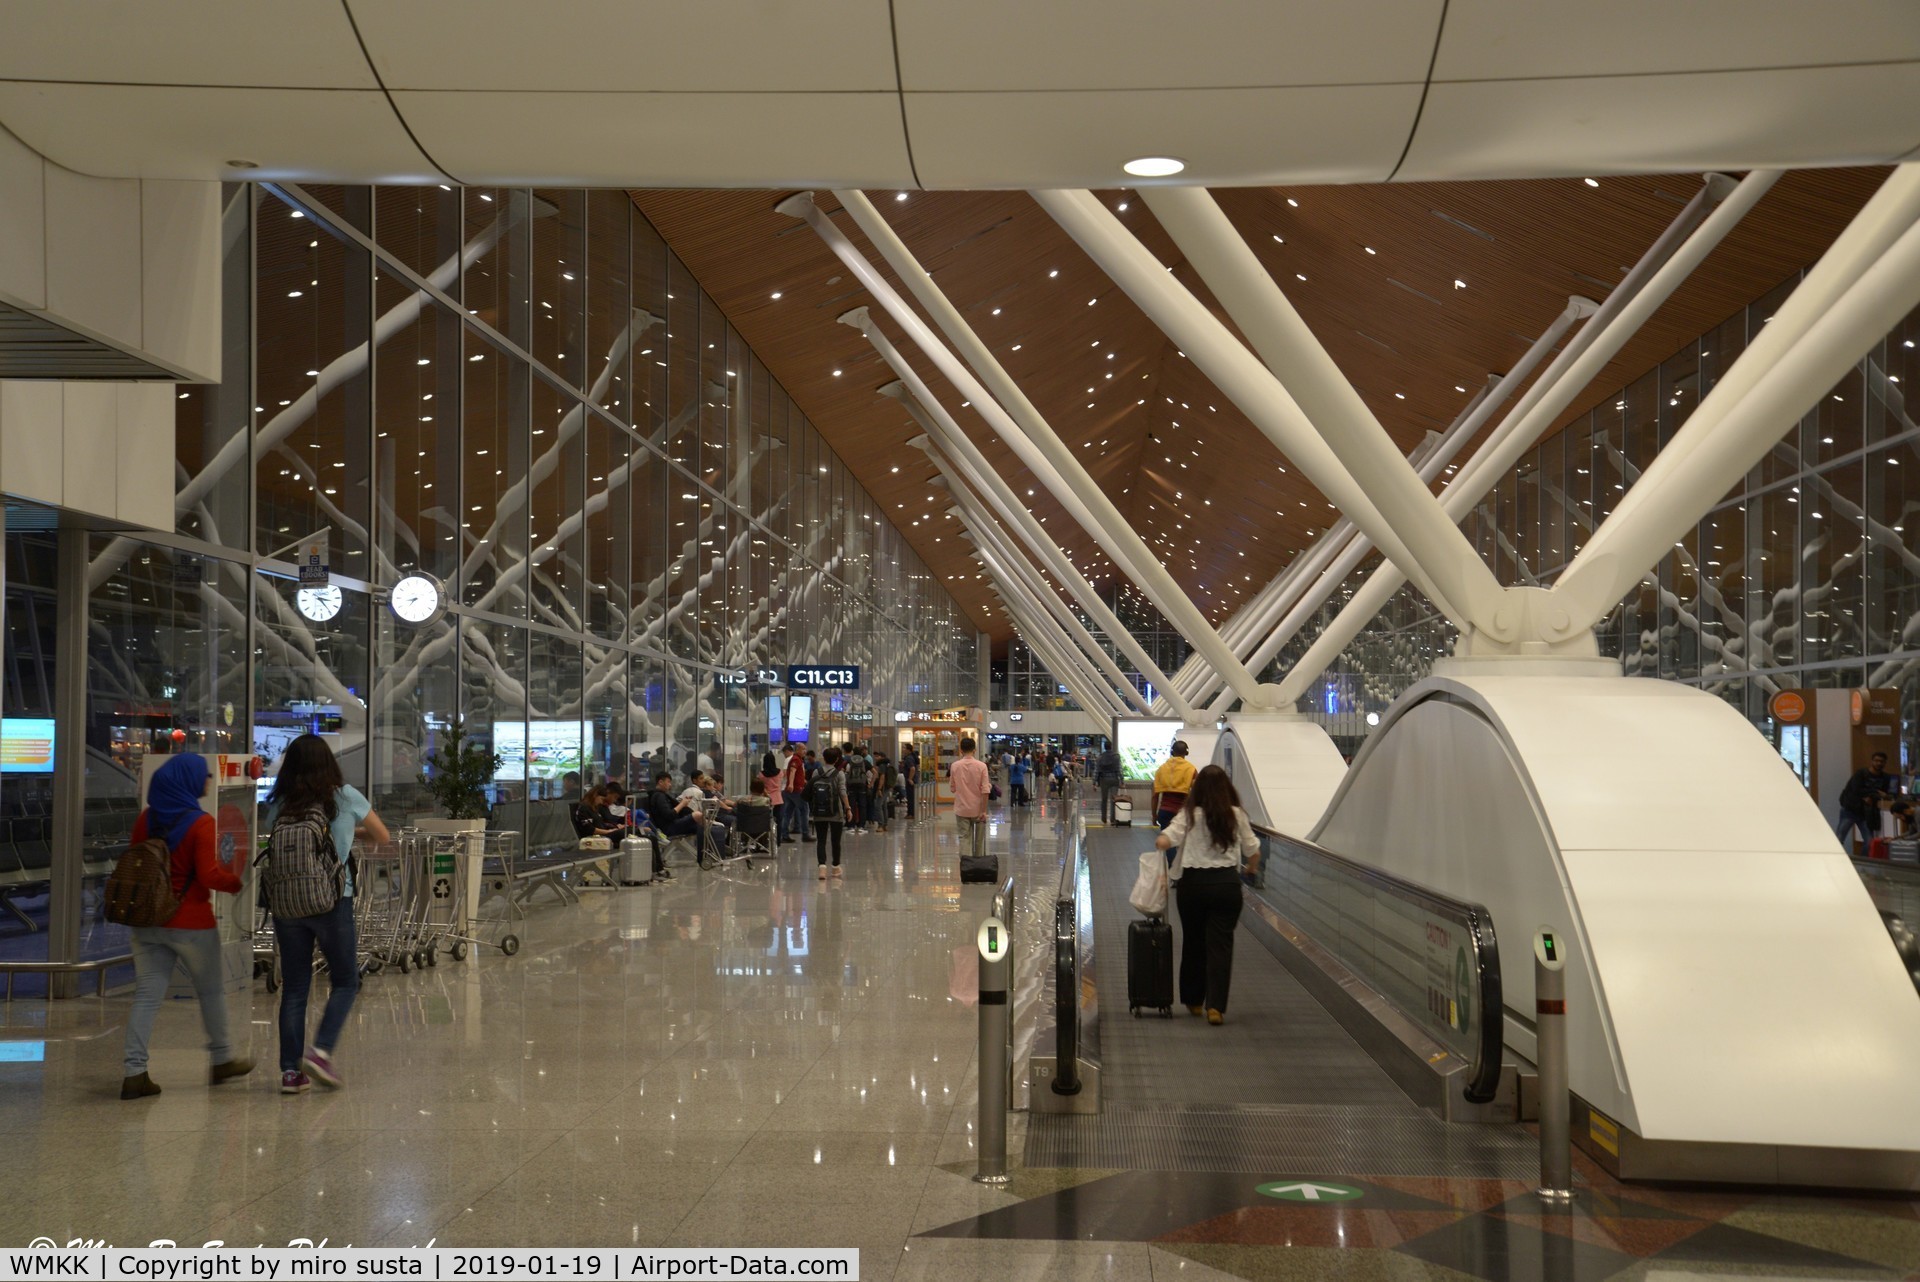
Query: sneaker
[1216,1017]
[139,1086]
[228,1071]
[293,1082]
[320,1064]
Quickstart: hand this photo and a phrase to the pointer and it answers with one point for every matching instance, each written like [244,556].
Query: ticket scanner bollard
[996,973]
[1550,1057]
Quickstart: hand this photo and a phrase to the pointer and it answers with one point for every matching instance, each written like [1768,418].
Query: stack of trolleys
[453,867]
[382,915]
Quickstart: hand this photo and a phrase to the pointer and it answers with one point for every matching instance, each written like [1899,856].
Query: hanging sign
[820,676]
[312,559]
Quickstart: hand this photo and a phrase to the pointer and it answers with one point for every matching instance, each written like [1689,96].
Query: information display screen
[776,719]
[541,749]
[1143,743]
[26,746]
[799,718]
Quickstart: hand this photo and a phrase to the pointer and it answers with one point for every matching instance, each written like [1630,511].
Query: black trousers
[1209,903]
[821,828]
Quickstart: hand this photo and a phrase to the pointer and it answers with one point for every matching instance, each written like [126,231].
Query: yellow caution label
[1604,1131]
[1453,1013]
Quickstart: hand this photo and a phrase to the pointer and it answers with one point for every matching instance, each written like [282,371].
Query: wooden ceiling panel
[1415,343]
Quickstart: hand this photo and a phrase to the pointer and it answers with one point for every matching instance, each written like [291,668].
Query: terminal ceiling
[1283,100]
[1418,291]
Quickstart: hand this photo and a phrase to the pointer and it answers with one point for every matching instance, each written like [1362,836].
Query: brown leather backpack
[140,889]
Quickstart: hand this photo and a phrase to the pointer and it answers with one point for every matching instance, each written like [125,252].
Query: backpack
[140,889]
[304,876]
[889,778]
[820,800]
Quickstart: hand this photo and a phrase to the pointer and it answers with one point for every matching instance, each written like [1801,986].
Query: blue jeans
[799,818]
[332,933]
[156,949]
[1867,823]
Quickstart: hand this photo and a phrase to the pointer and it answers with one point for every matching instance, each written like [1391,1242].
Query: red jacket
[197,873]
[795,780]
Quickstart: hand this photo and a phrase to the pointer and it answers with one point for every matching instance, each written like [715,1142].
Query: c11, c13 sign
[821,676]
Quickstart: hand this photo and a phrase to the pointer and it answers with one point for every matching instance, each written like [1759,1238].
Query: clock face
[319,604]
[415,599]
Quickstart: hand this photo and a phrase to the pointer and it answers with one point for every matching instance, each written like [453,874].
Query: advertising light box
[26,746]
[799,718]
[541,749]
[1143,743]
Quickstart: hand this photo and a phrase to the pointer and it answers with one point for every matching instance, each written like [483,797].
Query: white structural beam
[1314,595]
[991,537]
[1066,669]
[1241,377]
[1018,423]
[1013,587]
[1279,618]
[1295,357]
[1020,574]
[926,410]
[1858,291]
[1670,260]
[1300,601]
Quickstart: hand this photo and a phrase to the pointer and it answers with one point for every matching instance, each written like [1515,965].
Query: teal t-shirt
[350,806]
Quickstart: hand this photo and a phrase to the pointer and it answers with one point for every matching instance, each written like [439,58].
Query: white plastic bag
[1150,890]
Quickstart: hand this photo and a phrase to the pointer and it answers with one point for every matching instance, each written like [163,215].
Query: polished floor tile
[765,1059]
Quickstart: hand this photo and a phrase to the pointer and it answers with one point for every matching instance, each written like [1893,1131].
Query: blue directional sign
[823,676]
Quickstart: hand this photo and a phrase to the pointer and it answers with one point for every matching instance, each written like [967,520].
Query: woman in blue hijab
[188,939]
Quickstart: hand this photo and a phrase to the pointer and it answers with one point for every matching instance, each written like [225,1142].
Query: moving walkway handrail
[1473,919]
[1066,950]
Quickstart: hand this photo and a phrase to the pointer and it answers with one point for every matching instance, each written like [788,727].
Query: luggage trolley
[384,919]
[452,869]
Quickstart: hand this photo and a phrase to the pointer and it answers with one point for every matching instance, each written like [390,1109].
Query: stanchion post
[1550,1027]
[996,973]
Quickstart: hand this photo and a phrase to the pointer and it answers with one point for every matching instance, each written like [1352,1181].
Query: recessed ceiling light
[1591,182]
[776,293]
[1154,166]
[1368,248]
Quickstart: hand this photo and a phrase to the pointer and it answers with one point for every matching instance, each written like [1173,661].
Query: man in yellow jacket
[1171,783]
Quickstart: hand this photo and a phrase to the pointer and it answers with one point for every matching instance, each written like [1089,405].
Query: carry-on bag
[636,860]
[1123,812]
[980,868]
[1877,848]
[1149,966]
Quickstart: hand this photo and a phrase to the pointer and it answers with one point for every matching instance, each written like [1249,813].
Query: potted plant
[457,776]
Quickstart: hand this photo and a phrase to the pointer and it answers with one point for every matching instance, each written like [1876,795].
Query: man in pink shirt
[970,788]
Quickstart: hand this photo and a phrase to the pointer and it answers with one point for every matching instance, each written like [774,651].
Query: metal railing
[99,966]
[1433,958]
[1066,958]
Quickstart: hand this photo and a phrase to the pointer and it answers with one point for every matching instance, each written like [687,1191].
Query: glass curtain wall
[523,395]
[1805,575]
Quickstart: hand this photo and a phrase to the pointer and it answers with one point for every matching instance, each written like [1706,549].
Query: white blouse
[1200,852]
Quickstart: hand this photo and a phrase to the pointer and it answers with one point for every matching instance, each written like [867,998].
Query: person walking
[857,771]
[773,780]
[187,938]
[1170,784]
[971,786]
[910,779]
[1017,776]
[1213,838]
[310,781]
[827,802]
[793,786]
[1107,775]
[1860,802]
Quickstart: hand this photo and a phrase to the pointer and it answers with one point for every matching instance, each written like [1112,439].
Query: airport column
[69,760]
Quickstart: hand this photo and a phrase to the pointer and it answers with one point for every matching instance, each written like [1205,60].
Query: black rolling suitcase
[1149,966]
